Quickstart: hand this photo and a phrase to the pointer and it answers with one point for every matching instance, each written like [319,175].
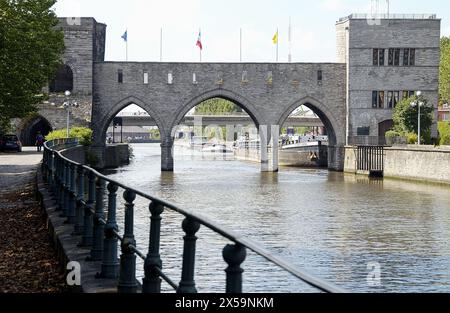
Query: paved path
[17,169]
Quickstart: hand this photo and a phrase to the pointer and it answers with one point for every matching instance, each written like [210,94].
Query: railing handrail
[424,16]
[252,245]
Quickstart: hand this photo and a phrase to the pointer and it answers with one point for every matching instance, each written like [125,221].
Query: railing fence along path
[78,190]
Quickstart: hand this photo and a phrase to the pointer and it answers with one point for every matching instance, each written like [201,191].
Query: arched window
[63,80]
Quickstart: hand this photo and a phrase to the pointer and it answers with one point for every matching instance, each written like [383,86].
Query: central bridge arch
[229,95]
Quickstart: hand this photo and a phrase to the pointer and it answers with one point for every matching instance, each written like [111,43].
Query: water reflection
[329,223]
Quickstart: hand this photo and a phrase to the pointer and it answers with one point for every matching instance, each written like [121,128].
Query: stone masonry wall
[422,35]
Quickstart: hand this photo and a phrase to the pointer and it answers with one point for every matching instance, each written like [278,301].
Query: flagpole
[201,48]
[126,46]
[290,41]
[160,46]
[278,40]
[240,45]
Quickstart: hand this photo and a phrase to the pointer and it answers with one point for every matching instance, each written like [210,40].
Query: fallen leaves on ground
[28,262]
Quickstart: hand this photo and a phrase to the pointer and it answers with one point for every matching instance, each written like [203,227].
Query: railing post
[72,195]
[58,186]
[86,240]
[151,282]
[234,255]
[46,161]
[65,192]
[44,166]
[127,275]
[48,157]
[187,283]
[110,262]
[51,181]
[79,202]
[99,227]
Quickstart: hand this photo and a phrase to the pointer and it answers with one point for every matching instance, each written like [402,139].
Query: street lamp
[419,104]
[68,104]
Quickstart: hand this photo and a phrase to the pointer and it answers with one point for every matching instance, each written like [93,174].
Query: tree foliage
[444,133]
[444,77]
[217,106]
[30,53]
[155,134]
[406,116]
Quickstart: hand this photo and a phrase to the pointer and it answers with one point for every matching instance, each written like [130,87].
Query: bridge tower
[389,57]
[84,41]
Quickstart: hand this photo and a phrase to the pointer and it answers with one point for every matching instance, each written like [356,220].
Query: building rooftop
[359,16]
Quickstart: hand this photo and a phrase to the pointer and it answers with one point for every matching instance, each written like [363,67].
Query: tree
[406,116]
[30,53]
[217,106]
[444,71]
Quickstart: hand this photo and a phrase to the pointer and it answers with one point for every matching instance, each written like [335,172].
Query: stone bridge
[377,66]
[268,92]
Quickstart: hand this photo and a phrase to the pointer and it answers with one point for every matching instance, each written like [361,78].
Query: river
[336,226]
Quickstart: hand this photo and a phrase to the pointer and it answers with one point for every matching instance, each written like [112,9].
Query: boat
[216,148]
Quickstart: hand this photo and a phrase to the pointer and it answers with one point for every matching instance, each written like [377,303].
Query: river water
[336,226]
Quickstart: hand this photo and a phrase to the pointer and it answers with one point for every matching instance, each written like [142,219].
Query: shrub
[85,135]
[445,140]
[412,138]
[444,133]
[394,137]
[392,134]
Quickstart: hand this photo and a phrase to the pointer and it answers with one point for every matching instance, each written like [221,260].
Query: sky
[220,21]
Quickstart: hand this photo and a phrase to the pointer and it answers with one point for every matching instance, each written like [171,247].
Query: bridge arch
[101,127]
[30,127]
[332,124]
[229,95]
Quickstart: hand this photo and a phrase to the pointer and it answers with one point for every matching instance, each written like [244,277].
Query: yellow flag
[275,38]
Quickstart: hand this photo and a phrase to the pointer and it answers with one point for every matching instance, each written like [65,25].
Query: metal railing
[389,16]
[370,159]
[98,228]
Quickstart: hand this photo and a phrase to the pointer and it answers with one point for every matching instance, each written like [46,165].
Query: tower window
[394,57]
[396,98]
[63,80]
[378,99]
[378,57]
[409,57]
[381,99]
[374,99]
[145,78]
[120,76]
[390,99]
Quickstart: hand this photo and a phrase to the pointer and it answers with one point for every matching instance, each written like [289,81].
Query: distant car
[10,143]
